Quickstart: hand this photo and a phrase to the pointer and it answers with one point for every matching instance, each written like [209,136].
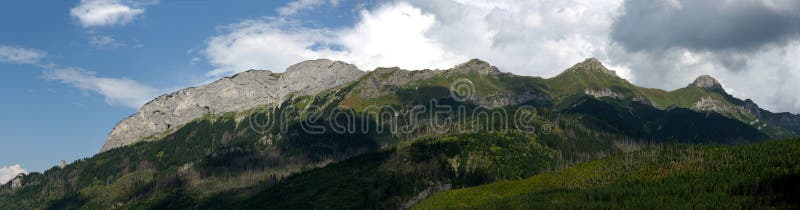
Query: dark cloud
[706,25]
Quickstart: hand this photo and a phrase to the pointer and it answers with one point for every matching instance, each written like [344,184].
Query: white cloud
[103,41]
[10,54]
[533,38]
[261,44]
[539,38]
[392,35]
[117,91]
[293,7]
[98,13]
[9,172]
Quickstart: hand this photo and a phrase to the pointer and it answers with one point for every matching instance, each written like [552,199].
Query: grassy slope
[669,177]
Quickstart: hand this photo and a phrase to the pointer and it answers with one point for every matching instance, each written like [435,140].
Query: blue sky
[45,121]
[73,69]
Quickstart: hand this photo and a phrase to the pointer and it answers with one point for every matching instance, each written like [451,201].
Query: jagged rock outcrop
[706,103]
[602,93]
[16,183]
[503,99]
[240,92]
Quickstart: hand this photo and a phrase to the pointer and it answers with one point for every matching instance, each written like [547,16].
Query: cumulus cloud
[117,91]
[539,37]
[99,13]
[293,7]
[391,35]
[749,45]
[261,44]
[9,172]
[11,54]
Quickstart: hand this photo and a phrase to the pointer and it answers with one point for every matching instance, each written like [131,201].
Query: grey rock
[240,92]
[707,103]
[16,183]
[506,99]
[602,93]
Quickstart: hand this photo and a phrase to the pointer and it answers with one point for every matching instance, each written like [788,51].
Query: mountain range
[259,139]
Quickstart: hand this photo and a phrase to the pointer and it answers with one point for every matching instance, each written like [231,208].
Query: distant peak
[309,63]
[476,61]
[592,60]
[311,66]
[707,82]
[477,65]
[591,64]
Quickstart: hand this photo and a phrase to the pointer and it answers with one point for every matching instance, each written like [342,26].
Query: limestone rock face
[240,92]
[602,93]
[16,183]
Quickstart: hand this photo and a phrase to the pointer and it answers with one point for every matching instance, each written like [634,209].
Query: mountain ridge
[220,161]
[255,88]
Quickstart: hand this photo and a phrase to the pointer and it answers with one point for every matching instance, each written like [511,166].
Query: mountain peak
[477,65]
[240,92]
[312,76]
[591,64]
[310,66]
[707,82]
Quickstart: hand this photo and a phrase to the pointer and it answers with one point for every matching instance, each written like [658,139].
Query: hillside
[673,176]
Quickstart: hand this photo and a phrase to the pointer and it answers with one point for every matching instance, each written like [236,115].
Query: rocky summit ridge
[240,92]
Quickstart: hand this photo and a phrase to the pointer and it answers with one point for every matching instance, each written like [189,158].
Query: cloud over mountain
[521,36]
[749,45]
[9,172]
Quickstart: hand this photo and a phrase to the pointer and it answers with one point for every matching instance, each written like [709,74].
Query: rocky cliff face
[240,92]
[602,93]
